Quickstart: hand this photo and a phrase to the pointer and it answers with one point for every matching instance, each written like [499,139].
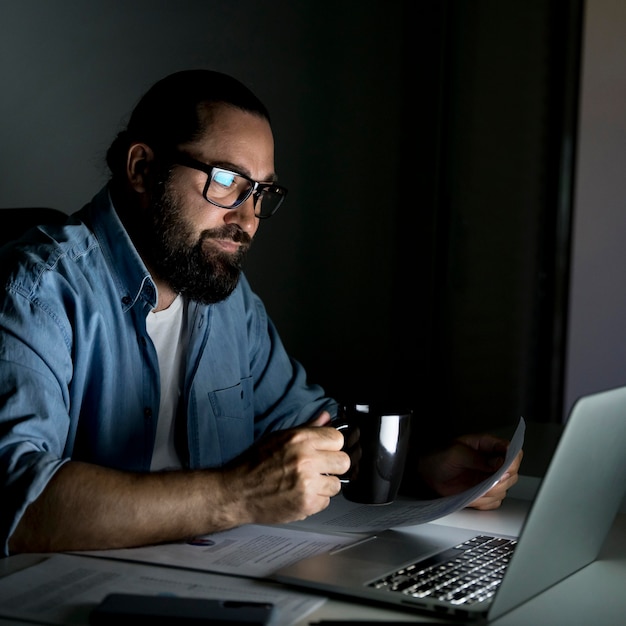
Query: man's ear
[138,164]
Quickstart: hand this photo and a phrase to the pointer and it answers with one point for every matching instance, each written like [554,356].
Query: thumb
[323,419]
[484,461]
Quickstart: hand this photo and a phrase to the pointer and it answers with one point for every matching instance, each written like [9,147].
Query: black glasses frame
[256,188]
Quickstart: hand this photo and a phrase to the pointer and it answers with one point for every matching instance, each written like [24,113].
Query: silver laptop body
[564,530]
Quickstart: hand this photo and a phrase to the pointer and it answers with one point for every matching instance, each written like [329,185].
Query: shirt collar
[128,269]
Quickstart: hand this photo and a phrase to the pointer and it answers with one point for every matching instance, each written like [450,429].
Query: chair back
[15,221]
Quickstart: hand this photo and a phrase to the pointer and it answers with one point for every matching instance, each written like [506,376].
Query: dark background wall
[423,254]
[504,210]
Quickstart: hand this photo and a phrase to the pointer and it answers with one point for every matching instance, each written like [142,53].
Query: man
[145,396]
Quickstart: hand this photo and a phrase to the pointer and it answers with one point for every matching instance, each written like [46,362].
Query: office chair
[15,221]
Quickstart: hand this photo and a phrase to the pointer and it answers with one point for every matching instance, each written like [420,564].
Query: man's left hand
[469,460]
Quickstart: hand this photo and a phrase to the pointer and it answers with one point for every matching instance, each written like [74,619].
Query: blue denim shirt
[79,375]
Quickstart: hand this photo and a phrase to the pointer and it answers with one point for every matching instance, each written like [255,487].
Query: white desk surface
[596,595]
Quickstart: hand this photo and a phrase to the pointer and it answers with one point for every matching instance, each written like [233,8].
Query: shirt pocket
[234,413]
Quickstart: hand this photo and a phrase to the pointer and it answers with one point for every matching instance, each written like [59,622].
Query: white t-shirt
[167,329]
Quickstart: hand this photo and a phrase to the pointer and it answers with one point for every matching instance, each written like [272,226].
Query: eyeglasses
[228,190]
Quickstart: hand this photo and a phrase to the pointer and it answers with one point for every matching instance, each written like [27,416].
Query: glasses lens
[269,199]
[227,189]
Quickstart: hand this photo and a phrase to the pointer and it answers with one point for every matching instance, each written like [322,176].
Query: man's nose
[244,215]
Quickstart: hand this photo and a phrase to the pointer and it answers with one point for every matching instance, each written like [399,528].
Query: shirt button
[126,300]
[147,412]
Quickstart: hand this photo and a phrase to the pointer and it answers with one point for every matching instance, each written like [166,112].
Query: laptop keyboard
[466,574]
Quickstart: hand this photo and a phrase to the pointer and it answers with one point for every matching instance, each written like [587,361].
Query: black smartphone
[157,609]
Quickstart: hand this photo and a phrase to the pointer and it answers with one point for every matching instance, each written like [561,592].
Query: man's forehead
[232,135]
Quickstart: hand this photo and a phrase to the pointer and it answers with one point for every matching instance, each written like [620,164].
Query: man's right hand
[289,474]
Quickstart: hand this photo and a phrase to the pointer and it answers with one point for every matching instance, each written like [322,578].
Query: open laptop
[564,530]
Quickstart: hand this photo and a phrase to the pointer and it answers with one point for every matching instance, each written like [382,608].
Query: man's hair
[169,112]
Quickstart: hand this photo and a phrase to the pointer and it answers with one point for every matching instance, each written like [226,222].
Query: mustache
[228,231]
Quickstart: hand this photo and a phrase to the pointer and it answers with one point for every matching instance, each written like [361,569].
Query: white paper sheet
[64,589]
[252,550]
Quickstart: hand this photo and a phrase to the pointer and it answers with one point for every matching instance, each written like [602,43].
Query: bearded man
[145,395]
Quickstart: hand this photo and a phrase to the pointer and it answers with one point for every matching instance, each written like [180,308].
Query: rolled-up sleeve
[35,367]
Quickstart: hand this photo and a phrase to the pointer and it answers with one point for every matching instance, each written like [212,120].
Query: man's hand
[494,497]
[466,462]
[290,474]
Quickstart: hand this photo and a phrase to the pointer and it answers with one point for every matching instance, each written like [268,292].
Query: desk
[596,595]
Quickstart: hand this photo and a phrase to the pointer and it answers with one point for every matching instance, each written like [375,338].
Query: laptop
[564,530]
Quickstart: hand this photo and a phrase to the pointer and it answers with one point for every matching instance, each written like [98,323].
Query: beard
[196,269]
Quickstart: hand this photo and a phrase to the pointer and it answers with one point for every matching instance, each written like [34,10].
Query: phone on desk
[160,609]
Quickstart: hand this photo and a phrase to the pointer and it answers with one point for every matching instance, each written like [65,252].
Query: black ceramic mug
[377,442]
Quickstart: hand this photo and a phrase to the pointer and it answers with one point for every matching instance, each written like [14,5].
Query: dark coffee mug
[378,443]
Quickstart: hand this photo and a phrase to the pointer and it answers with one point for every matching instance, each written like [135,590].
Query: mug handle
[345,481]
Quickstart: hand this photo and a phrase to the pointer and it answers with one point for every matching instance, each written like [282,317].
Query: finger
[492,498]
[329,486]
[334,463]
[486,503]
[517,461]
[477,461]
[326,438]
[508,480]
[511,470]
[315,433]
[497,461]
[323,446]
[321,420]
